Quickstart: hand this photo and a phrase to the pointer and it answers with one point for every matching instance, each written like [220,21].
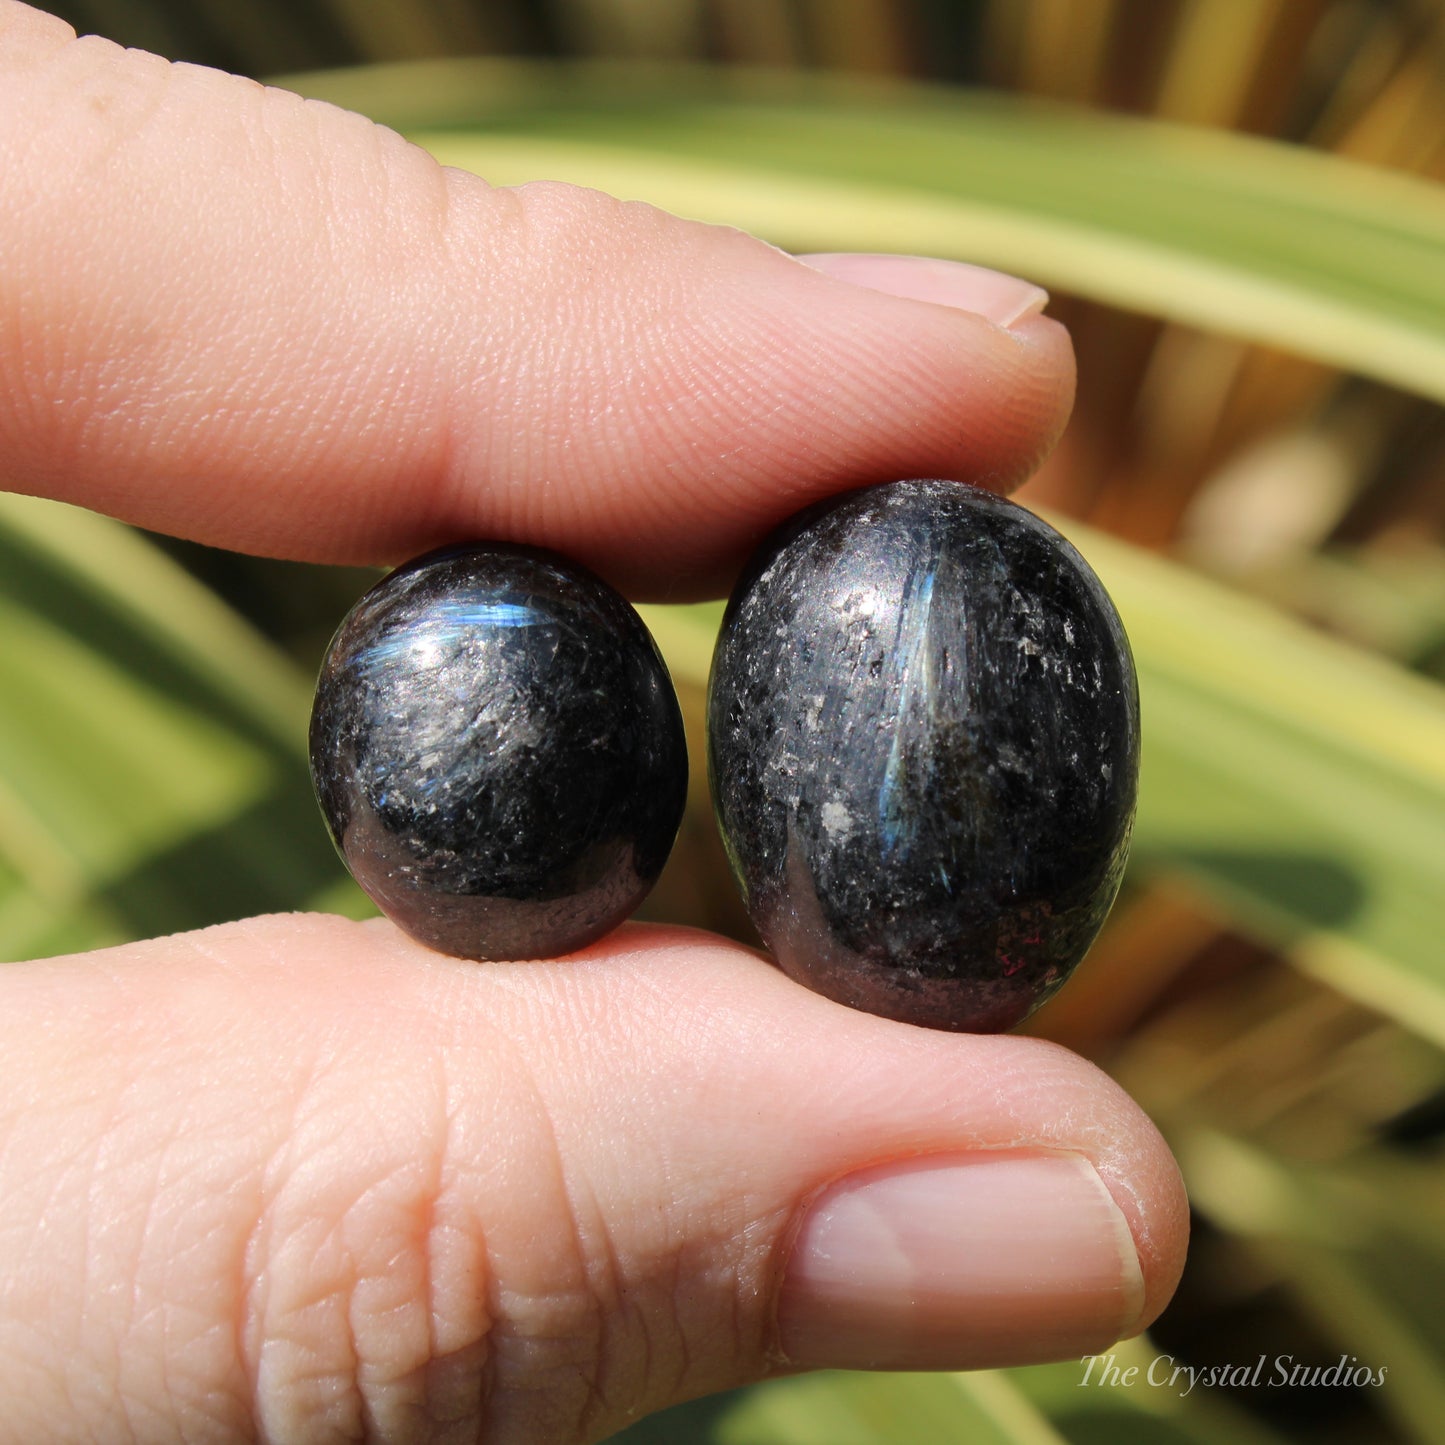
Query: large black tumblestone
[498,752]
[924,751]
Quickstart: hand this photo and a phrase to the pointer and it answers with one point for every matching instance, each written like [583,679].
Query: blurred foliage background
[1238,206]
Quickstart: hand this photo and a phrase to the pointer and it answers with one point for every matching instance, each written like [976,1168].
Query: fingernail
[966,1263]
[1004,300]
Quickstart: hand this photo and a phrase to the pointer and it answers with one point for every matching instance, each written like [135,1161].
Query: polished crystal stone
[498,752]
[924,749]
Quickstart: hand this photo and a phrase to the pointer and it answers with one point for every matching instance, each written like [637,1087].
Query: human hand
[298,1179]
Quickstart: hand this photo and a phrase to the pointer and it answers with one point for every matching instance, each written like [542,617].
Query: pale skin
[297,1178]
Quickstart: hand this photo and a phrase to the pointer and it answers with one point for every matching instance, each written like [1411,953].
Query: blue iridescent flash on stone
[498,752]
[924,752]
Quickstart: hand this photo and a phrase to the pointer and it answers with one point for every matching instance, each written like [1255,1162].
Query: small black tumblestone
[924,751]
[498,752]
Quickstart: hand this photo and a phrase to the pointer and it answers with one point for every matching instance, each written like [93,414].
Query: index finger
[268,324]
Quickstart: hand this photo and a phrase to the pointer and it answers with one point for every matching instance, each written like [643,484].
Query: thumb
[268,324]
[298,1179]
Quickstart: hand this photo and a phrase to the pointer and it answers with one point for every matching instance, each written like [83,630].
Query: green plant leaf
[835,1408]
[1298,780]
[1327,1242]
[152,746]
[1038,1405]
[1257,239]
[1130,1394]
[985,1408]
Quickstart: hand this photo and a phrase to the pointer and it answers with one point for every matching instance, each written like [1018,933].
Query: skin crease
[389,1236]
[297,1178]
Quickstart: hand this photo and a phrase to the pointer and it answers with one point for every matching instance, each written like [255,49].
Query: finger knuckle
[366,1316]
